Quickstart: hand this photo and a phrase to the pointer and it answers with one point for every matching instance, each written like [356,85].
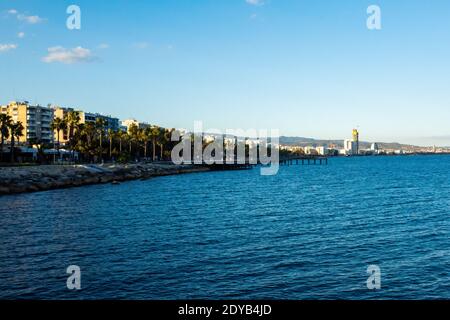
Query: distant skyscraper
[355,135]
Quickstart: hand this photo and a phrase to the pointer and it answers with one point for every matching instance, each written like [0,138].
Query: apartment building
[36,120]
[85,117]
[110,122]
[129,122]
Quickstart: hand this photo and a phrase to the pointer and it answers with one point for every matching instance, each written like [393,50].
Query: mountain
[303,142]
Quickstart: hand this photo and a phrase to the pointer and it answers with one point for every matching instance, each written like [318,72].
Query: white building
[374,147]
[350,147]
[322,151]
[130,122]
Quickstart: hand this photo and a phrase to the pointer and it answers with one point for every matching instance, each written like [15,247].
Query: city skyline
[238,64]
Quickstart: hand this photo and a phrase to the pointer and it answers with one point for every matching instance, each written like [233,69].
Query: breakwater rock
[41,178]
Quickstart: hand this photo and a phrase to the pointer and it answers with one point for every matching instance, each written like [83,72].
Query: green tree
[16,132]
[163,139]
[121,136]
[73,120]
[100,126]
[154,134]
[144,138]
[58,125]
[5,124]
[133,136]
[111,135]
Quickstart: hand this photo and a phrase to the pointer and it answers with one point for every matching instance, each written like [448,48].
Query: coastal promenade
[47,177]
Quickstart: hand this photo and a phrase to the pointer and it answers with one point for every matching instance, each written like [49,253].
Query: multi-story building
[350,147]
[355,136]
[374,147]
[85,117]
[62,113]
[110,122]
[130,122]
[322,151]
[36,121]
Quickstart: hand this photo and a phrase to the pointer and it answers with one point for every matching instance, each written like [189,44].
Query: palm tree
[100,126]
[111,134]
[121,135]
[16,132]
[154,133]
[143,138]
[86,138]
[133,133]
[58,125]
[5,124]
[72,122]
[163,139]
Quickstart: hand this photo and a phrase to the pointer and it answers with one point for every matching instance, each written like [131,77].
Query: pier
[296,160]
[304,160]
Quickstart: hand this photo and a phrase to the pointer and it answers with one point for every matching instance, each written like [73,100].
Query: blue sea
[309,232]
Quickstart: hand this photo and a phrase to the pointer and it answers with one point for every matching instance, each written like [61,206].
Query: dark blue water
[308,233]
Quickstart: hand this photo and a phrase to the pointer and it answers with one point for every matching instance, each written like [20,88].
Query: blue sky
[309,68]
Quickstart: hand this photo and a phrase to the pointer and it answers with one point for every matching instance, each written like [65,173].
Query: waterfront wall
[40,178]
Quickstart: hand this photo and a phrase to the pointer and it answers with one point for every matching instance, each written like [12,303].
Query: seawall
[15,180]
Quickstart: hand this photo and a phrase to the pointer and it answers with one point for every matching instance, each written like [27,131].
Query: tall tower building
[355,135]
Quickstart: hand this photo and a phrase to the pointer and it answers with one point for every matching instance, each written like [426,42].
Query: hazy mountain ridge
[303,142]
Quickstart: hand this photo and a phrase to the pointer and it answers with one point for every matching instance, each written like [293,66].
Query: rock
[4,190]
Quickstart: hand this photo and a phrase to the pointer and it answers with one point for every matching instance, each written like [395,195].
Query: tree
[144,138]
[111,135]
[121,135]
[58,125]
[5,124]
[72,121]
[133,133]
[163,139]
[154,133]
[100,126]
[16,132]
[86,138]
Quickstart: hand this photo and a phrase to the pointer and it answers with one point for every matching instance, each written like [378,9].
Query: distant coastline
[35,178]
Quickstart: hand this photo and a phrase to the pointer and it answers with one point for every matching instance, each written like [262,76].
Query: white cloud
[103,46]
[7,47]
[21,35]
[255,2]
[69,56]
[30,19]
[141,45]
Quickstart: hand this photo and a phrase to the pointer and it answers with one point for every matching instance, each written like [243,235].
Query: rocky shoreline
[15,180]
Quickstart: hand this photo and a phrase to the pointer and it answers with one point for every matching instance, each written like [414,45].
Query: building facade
[110,122]
[36,121]
[130,122]
[350,147]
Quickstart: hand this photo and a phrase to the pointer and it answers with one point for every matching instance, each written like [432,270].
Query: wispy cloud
[21,35]
[31,19]
[103,46]
[7,47]
[69,56]
[255,2]
[141,45]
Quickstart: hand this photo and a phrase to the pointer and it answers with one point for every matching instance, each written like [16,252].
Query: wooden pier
[304,160]
[301,160]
